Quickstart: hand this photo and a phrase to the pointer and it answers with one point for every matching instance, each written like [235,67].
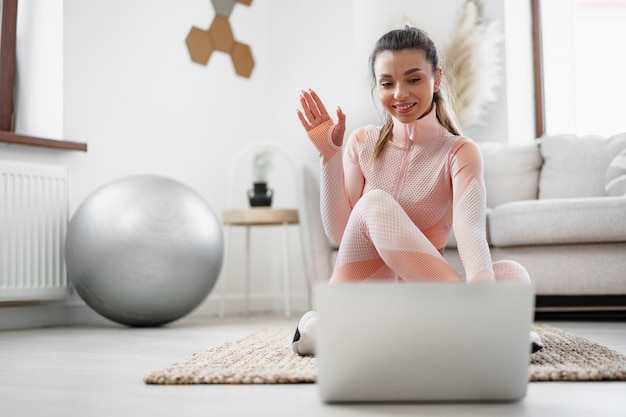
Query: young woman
[393,194]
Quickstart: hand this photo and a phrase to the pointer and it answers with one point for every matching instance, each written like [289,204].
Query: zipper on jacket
[410,131]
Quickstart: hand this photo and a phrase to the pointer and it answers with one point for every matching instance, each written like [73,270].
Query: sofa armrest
[559,221]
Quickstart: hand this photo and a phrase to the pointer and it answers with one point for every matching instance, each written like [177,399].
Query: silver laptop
[423,342]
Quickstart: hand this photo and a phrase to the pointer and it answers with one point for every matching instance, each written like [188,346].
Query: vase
[260,195]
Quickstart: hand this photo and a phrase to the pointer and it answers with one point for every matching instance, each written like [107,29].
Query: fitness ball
[144,250]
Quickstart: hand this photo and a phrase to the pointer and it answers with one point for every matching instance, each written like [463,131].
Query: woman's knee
[376,203]
[510,271]
[376,197]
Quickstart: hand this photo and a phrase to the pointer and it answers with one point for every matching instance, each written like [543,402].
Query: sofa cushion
[511,172]
[559,221]
[615,179]
[575,166]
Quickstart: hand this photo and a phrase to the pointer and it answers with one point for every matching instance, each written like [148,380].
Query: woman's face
[406,82]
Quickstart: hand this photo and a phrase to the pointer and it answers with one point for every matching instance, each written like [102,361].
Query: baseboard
[73,311]
[236,304]
[47,314]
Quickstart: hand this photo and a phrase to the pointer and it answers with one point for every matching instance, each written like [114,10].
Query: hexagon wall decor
[219,37]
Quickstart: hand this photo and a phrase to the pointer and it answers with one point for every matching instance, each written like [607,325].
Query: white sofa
[556,205]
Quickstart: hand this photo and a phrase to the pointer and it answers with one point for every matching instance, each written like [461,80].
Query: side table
[262,216]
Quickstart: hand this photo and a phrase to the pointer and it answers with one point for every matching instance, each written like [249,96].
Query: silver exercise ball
[144,250]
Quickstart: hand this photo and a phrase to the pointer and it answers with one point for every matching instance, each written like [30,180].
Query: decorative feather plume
[472,64]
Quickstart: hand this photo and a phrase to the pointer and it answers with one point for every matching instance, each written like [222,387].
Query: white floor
[98,371]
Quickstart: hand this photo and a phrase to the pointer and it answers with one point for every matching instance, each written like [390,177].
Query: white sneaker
[535,342]
[304,338]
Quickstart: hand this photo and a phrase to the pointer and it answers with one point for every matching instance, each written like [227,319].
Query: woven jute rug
[265,357]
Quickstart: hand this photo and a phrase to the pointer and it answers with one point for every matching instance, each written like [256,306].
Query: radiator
[33,225]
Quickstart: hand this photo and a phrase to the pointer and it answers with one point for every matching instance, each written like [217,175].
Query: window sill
[9,137]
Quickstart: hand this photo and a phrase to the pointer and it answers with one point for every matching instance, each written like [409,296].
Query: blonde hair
[413,38]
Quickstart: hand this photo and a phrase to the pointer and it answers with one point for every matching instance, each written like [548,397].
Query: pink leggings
[381,242]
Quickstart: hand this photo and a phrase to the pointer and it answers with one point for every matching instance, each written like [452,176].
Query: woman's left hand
[314,113]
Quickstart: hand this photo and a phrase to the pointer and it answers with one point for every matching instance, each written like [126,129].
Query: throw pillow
[511,171]
[615,178]
[575,166]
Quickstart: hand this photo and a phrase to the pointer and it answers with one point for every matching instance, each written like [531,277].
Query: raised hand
[314,113]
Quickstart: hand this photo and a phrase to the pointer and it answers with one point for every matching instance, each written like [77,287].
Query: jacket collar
[425,130]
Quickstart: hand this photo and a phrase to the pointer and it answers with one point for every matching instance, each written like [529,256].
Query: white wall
[131,91]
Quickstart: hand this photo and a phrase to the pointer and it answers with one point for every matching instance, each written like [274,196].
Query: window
[584,85]
[8,10]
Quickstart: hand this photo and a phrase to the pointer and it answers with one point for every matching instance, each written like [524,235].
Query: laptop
[423,342]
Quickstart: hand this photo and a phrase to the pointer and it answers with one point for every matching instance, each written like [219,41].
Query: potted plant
[261,195]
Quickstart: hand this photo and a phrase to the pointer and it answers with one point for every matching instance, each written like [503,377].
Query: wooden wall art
[219,37]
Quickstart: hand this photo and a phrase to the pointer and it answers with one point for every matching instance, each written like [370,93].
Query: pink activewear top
[435,176]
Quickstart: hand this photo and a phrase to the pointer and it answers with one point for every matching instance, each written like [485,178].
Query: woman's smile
[404,108]
[406,83]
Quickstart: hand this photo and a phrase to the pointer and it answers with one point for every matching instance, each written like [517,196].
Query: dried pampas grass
[472,64]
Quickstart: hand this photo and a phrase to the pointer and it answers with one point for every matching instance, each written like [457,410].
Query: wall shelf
[9,137]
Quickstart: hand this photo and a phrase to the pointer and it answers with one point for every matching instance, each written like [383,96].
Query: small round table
[262,216]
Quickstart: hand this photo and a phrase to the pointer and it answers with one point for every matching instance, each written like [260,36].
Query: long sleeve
[469,213]
[334,205]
